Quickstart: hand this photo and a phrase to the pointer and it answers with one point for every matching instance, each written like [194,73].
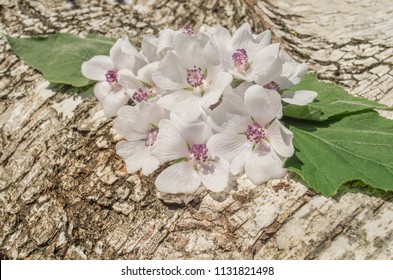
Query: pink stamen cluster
[198,152]
[272,85]
[111,76]
[141,94]
[195,78]
[187,29]
[240,59]
[255,132]
[151,136]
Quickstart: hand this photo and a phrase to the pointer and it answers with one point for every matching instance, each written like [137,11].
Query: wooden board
[64,193]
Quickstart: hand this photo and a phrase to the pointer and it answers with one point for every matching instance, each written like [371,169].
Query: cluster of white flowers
[206,105]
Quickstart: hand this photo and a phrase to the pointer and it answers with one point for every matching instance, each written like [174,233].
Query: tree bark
[65,194]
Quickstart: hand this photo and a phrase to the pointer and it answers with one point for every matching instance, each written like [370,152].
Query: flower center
[198,152]
[240,58]
[141,94]
[111,76]
[151,136]
[187,29]
[195,78]
[272,85]
[255,132]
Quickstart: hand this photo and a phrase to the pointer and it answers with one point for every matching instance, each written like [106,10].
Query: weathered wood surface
[64,193]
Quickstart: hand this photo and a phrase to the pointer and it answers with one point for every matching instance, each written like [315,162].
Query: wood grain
[64,193]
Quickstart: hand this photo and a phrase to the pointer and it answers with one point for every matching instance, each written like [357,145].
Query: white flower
[149,47]
[166,40]
[139,125]
[140,87]
[299,97]
[292,72]
[186,143]
[193,73]
[106,70]
[138,82]
[155,48]
[250,136]
[247,56]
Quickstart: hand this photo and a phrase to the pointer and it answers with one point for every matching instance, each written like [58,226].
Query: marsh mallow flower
[250,135]
[183,77]
[139,126]
[106,70]
[168,38]
[140,87]
[193,76]
[247,56]
[185,144]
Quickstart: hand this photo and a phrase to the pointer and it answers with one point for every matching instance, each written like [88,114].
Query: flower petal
[134,153]
[120,58]
[280,138]
[184,103]
[215,89]
[150,165]
[149,47]
[299,97]
[128,48]
[267,66]
[96,68]
[227,146]
[178,178]
[170,75]
[165,41]
[238,162]
[136,161]
[114,101]
[230,116]
[170,144]
[210,54]
[101,90]
[193,133]
[222,39]
[292,71]
[128,148]
[189,51]
[136,156]
[264,105]
[214,175]
[145,74]
[270,51]
[264,39]
[153,113]
[244,39]
[128,80]
[241,89]
[270,72]
[131,123]
[239,75]
[263,164]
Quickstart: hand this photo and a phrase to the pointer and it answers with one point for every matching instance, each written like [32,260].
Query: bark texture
[64,193]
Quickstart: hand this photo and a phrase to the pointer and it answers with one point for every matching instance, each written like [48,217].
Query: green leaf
[332,101]
[83,92]
[59,57]
[356,147]
[360,187]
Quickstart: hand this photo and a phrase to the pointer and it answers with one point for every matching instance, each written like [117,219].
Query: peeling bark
[64,193]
